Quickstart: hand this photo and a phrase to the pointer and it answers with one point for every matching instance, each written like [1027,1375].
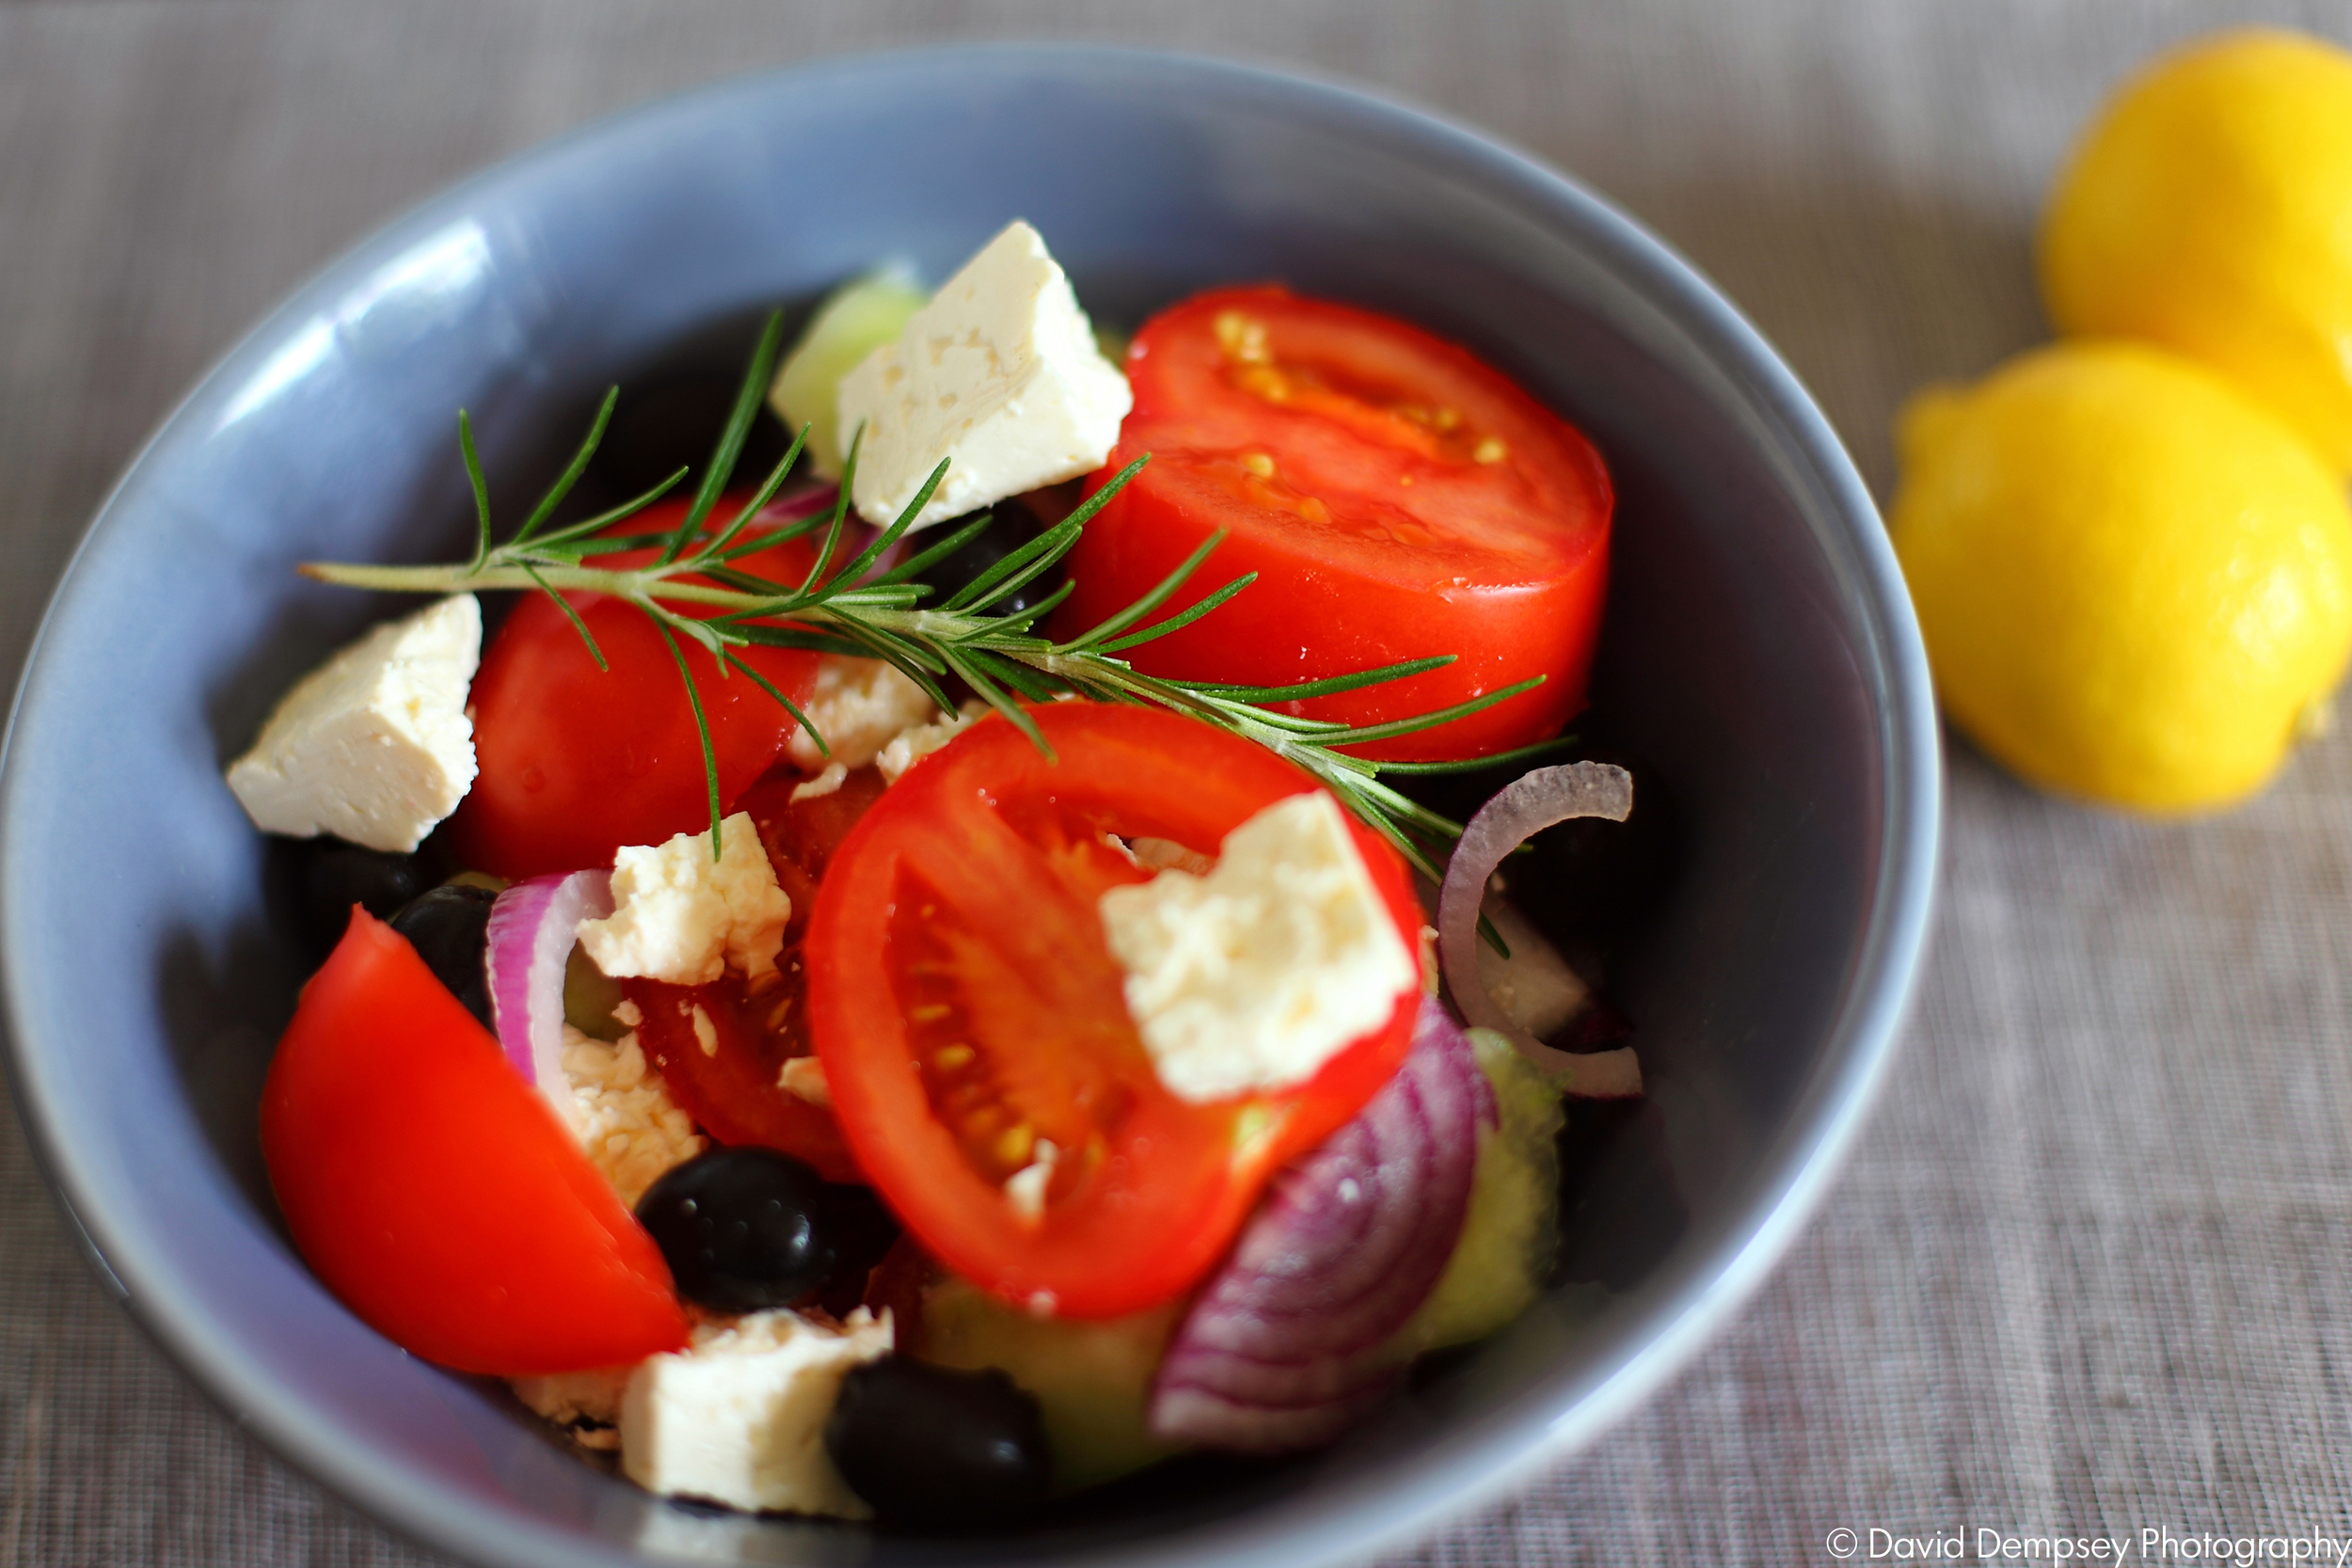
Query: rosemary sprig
[694,590]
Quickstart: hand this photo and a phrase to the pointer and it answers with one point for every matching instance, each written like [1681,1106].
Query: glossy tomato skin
[1397,497]
[961,992]
[434,1192]
[575,762]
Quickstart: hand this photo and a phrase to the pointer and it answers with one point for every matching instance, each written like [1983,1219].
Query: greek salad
[932,979]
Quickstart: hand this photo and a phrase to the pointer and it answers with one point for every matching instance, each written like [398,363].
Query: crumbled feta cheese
[910,746]
[739,1416]
[803,1077]
[1024,1189]
[827,782]
[587,1404]
[858,705]
[1000,374]
[1162,854]
[375,745]
[680,916]
[623,1115]
[1253,976]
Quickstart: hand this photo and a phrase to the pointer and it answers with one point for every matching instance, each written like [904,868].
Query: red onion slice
[801,498]
[1289,1343]
[806,499]
[534,925]
[1520,810]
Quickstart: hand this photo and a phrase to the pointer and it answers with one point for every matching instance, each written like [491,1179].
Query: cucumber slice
[589,997]
[1092,1380]
[854,321]
[1511,1234]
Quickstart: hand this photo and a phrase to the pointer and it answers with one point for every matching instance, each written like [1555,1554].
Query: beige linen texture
[2087,1268]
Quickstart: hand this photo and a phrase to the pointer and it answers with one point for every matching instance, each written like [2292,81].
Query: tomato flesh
[1397,497]
[435,1193]
[966,1008]
[575,761]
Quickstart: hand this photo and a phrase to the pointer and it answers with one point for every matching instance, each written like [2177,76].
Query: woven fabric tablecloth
[2086,1273]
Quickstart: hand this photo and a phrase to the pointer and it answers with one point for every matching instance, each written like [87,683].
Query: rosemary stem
[657,583]
[699,586]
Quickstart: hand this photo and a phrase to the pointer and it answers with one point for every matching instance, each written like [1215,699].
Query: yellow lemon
[2134,583]
[2209,208]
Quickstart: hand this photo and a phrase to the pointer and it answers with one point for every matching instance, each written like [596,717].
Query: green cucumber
[853,321]
[1511,1235]
[589,997]
[1092,1380]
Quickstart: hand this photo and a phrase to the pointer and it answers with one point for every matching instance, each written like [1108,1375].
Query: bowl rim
[1794,1171]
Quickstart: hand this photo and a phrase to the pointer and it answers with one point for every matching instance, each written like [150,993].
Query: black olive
[745,1228]
[449,926]
[1012,524]
[324,877]
[931,1449]
[660,427]
[863,1230]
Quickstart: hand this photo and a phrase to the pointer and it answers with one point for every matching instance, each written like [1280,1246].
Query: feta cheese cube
[858,705]
[1254,976]
[375,745]
[680,916]
[1000,374]
[739,1416]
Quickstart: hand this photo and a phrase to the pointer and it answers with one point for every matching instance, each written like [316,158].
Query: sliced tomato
[727,1073]
[1397,497]
[725,1067]
[575,761]
[801,837]
[435,1192]
[966,1007]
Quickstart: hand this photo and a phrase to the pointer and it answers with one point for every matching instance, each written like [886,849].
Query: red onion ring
[815,496]
[1520,810]
[1289,1343]
[534,925]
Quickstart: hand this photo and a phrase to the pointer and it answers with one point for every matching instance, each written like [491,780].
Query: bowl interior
[1756,651]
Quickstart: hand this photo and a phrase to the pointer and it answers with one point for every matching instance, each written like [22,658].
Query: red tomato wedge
[1397,497]
[577,761]
[733,1088]
[434,1191]
[965,1006]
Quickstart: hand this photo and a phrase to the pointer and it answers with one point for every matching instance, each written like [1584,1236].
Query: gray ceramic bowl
[1760,649]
